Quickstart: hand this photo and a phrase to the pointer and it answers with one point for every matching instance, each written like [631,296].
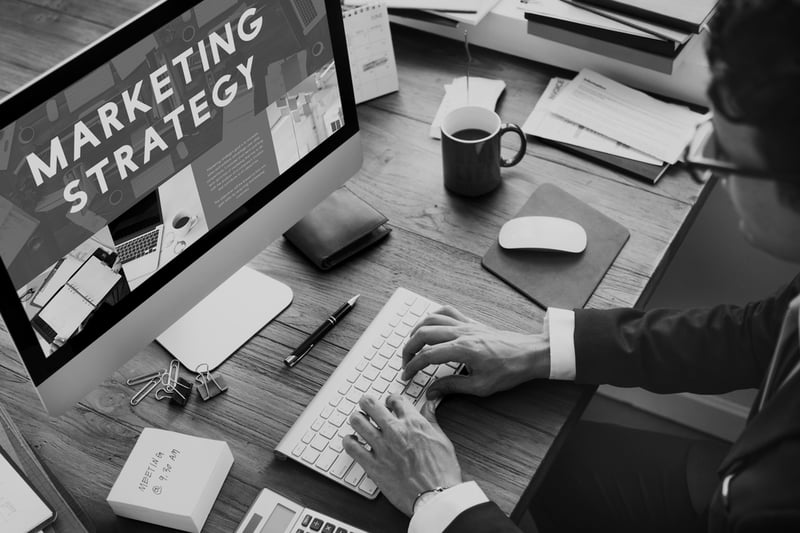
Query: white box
[171,479]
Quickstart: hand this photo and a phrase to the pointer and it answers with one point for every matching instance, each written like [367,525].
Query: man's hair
[754,54]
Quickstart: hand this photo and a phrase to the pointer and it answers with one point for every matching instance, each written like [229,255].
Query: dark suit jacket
[708,351]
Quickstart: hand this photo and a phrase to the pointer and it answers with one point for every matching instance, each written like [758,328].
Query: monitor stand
[223,321]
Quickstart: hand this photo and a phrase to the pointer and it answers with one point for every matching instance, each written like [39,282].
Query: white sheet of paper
[483,92]
[21,509]
[542,123]
[439,5]
[629,116]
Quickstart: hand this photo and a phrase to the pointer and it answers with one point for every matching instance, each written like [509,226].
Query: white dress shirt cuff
[436,514]
[561,331]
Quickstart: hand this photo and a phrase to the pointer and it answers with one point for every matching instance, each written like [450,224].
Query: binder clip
[210,385]
[178,394]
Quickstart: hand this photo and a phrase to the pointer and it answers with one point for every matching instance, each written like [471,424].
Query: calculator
[272,513]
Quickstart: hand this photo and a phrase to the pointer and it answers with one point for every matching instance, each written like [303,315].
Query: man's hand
[496,360]
[409,451]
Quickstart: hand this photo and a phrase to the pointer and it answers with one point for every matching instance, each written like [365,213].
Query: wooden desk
[434,249]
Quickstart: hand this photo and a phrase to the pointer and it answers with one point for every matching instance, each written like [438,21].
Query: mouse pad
[557,279]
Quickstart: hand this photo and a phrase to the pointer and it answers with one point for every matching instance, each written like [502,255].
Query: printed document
[543,123]
[482,92]
[631,117]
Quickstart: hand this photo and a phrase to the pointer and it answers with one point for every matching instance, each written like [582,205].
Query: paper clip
[145,378]
[203,377]
[144,391]
[172,376]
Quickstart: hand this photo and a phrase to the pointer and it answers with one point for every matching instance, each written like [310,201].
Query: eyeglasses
[704,158]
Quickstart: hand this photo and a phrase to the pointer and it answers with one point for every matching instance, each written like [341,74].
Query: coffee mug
[471,157]
[182,223]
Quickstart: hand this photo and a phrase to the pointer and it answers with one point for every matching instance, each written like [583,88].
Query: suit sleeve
[706,351]
[484,518]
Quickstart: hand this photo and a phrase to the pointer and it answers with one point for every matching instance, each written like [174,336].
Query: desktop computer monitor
[145,171]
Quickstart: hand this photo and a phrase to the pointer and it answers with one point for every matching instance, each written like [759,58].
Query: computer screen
[136,158]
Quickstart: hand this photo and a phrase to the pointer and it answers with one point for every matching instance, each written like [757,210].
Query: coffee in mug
[471,157]
[182,223]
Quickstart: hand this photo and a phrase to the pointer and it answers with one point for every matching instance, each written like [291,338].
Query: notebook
[685,15]
[554,279]
[75,301]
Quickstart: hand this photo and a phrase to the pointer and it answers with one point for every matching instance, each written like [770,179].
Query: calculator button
[329,528]
[341,530]
[316,525]
[300,531]
[306,520]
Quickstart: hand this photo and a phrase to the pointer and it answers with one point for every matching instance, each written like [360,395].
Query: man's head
[754,54]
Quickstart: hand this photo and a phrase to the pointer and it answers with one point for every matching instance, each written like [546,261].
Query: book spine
[626,8]
[646,44]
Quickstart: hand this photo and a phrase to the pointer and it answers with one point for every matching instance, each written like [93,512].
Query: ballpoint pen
[312,340]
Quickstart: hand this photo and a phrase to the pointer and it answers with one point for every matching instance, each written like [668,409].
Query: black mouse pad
[558,279]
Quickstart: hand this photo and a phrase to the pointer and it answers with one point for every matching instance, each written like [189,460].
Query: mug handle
[523,144]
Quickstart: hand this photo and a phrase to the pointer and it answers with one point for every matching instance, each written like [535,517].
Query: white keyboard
[373,365]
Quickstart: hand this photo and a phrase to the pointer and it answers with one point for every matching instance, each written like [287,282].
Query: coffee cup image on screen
[162,224]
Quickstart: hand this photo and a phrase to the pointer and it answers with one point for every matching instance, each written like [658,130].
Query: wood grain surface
[435,249]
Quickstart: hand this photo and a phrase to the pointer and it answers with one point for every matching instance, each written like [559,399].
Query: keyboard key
[371,373]
[335,401]
[317,425]
[443,371]
[413,390]
[326,411]
[377,343]
[310,455]
[410,299]
[369,355]
[326,460]
[429,370]
[316,525]
[352,377]
[411,320]
[298,450]
[396,363]
[395,388]
[346,407]
[363,384]
[419,308]
[389,374]
[380,385]
[336,444]
[361,365]
[354,395]
[368,486]
[453,364]
[386,331]
[395,340]
[344,387]
[337,418]
[354,475]
[329,430]
[387,352]
[403,330]
[379,362]
[308,436]
[395,320]
[421,379]
[319,443]
[340,465]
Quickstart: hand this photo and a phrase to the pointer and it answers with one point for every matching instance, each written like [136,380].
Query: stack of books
[648,33]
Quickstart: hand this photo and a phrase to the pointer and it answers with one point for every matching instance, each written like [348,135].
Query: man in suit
[644,481]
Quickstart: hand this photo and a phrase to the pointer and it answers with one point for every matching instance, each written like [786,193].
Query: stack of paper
[467,11]
[599,114]
[481,92]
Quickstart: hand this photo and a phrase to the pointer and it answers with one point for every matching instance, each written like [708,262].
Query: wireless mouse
[543,233]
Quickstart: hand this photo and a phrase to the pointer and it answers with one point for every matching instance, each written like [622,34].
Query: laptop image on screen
[309,12]
[137,235]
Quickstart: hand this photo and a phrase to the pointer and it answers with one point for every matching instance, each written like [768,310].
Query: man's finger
[429,412]
[452,312]
[375,410]
[357,451]
[364,427]
[400,405]
[429,335]
[435,319]
[432,355]
[451,385]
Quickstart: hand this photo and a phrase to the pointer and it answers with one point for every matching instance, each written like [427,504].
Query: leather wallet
[339,227]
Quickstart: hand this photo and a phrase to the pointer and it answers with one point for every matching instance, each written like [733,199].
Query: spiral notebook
[74,302]
[369,45]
